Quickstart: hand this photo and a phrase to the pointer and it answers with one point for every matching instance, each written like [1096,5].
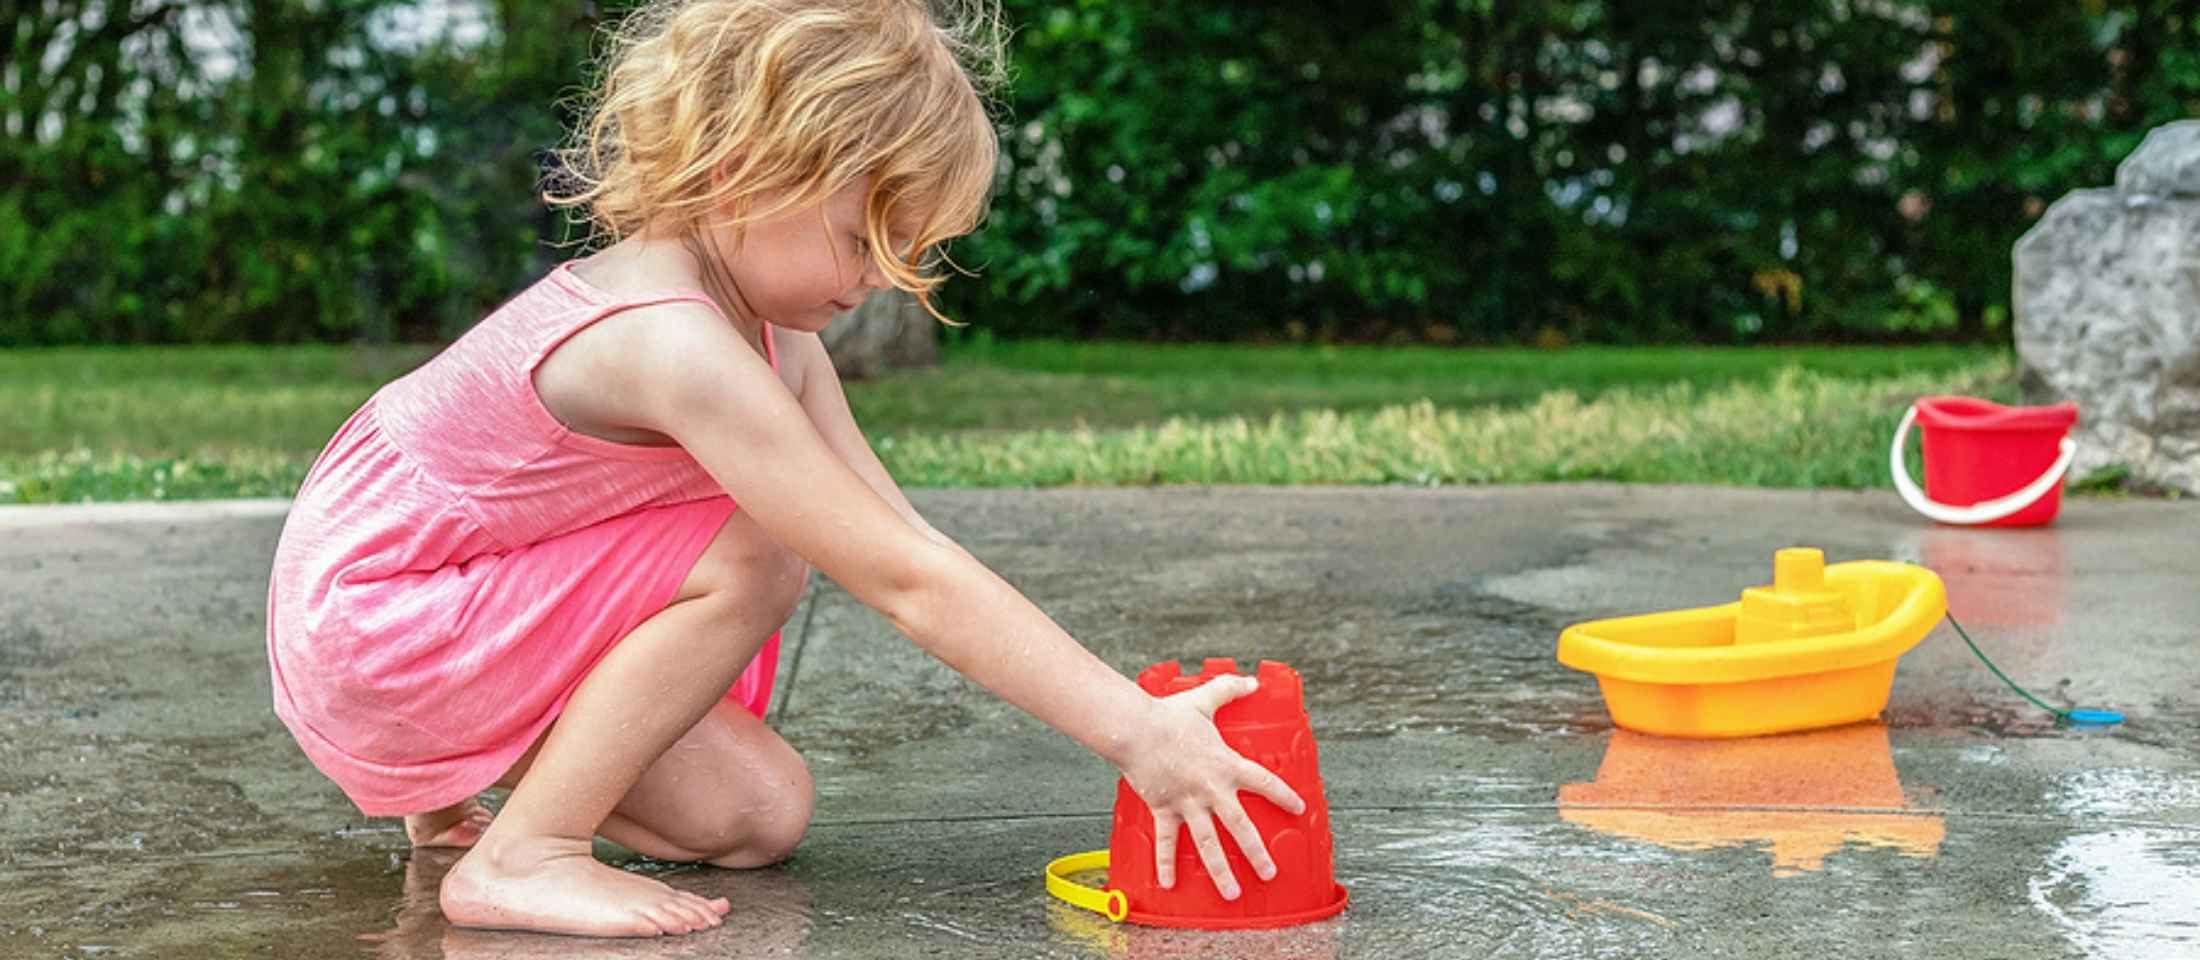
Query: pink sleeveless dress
[457,560]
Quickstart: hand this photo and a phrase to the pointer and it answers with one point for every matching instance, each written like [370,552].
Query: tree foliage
[1448,170]
[1503,170]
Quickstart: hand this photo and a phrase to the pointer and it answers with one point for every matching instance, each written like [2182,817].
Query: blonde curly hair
[706,106]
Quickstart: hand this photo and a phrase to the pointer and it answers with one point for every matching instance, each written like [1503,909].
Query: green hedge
[1486,171]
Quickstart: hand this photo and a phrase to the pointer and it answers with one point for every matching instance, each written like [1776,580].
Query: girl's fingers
[1264,781]
[1164,848]
[1210,696]
[1210,853]
[1232,815]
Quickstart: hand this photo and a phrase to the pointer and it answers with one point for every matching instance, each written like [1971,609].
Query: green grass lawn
[179,423]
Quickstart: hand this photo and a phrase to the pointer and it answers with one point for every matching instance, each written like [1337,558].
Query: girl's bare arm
[690,376]
[826,404]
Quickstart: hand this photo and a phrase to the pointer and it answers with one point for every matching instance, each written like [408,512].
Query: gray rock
[2108,312]
[2167,163]
[890,331]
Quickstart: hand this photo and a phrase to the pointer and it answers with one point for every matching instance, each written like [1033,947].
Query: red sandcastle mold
[1269,726]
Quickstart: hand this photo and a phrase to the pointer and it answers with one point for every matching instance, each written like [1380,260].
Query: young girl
[555,558]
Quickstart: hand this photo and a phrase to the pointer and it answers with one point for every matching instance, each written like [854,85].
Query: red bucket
[1270,726]
[1987,464]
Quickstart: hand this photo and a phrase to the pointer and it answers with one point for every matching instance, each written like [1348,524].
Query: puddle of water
[2126,792]
[2124,893]
[1802,797]
[1499,888]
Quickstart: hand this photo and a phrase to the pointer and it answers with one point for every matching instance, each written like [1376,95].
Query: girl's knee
[765,833]
[773,835]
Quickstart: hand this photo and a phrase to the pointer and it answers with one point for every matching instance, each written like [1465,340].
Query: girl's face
[802,267]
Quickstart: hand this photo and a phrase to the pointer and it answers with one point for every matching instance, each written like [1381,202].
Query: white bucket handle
[1984,511]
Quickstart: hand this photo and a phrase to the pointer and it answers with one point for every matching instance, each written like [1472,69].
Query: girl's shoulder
[602,378]
[595,381]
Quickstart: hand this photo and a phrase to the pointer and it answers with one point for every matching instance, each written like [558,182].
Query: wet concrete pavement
[153,806]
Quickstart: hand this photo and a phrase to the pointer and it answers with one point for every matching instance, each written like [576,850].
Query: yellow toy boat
[1816,648]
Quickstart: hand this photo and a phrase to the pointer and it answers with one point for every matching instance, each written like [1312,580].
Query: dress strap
[605,304]
[677,294]
[597,311]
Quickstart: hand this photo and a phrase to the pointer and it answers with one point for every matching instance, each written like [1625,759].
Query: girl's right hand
[1189,778]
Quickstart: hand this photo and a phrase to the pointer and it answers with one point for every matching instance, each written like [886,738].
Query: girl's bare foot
[458,825]
[558,886]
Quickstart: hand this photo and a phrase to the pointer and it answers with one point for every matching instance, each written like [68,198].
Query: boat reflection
[1802,796]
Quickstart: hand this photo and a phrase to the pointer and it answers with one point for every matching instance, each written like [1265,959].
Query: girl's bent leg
[533,869]
[729,792]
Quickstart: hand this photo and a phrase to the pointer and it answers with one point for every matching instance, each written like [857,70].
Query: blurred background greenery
[1437,171]
[186,422]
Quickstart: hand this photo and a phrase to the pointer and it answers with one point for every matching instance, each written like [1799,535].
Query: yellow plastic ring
[1111,904]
